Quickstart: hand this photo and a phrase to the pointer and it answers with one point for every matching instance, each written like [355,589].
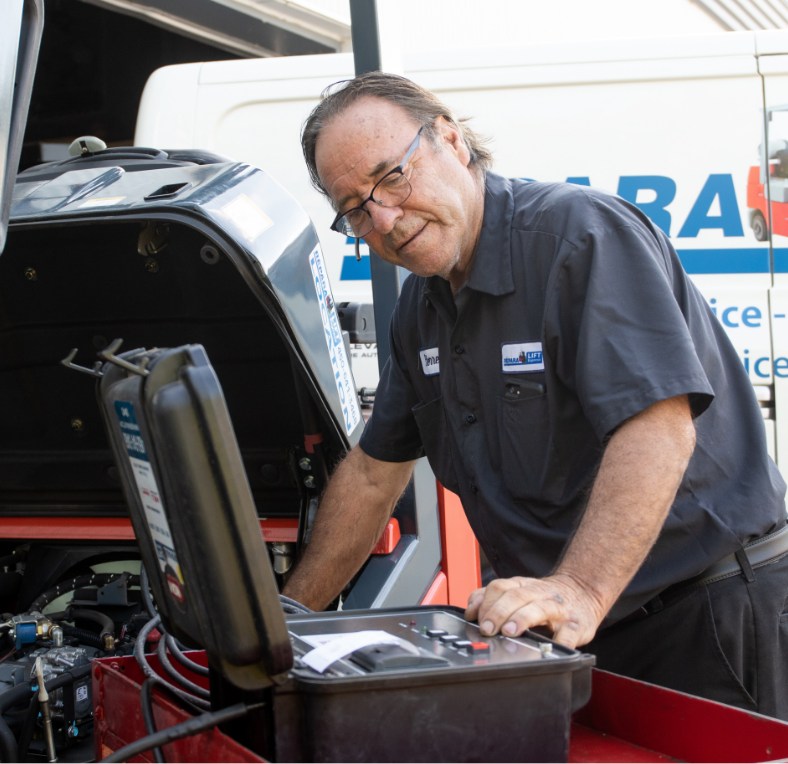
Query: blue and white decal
[150,498]
[430,361]
[332,331]
[521,357]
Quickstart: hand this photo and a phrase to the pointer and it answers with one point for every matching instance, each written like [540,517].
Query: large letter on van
[663,189]
[719,187]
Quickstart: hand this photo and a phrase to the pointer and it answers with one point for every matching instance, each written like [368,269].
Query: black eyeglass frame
[399,169]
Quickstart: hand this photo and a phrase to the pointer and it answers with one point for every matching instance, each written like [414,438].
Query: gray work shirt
[576,316]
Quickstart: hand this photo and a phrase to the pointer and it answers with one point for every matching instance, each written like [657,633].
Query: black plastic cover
[193,512]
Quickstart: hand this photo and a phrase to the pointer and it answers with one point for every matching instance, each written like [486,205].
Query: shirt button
[470,418]
[459,349]
[474,488]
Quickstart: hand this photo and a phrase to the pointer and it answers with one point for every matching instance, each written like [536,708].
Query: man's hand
[353,512]
[512,605]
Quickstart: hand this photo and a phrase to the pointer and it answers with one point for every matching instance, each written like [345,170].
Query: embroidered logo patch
[522,357]
[430,361]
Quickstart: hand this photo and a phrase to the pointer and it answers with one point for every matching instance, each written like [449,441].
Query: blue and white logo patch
[520,357]
[430,361]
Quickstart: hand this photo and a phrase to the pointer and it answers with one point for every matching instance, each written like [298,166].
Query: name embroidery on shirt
[521,357]
[430,361]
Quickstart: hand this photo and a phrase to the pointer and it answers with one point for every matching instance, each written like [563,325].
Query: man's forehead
[361,143]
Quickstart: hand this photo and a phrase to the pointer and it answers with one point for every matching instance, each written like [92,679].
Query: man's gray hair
[420,104]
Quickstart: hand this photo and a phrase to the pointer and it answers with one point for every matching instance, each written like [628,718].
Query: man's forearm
[353,512]
[637,482]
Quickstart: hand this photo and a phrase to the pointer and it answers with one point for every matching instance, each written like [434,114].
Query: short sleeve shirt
[576,316]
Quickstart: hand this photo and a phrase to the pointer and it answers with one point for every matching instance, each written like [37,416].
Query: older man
[562,374]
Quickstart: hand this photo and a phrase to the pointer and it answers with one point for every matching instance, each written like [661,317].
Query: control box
[423,684]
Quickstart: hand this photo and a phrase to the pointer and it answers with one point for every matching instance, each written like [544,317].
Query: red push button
[478,647]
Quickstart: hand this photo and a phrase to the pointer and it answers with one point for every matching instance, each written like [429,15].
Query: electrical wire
[9,750]
[293,607]
[176,675]
[184,729]
[146,701]
[147,597]
[27,728]
[177,652]
[142,661]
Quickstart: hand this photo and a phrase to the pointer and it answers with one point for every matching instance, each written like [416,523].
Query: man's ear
[451,136]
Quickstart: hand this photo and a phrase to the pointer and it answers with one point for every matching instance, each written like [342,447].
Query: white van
[687,128]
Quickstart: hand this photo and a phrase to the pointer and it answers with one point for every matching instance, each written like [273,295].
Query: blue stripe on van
[698,261]
[749,260]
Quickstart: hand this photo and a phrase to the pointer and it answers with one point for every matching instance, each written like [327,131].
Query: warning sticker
[150,498]
[332,331]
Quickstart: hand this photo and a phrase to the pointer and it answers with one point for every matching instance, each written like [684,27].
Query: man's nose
[384,218]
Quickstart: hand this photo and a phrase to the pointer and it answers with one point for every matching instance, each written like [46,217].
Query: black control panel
[388,640]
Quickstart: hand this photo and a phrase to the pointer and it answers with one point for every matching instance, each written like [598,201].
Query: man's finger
[475,599]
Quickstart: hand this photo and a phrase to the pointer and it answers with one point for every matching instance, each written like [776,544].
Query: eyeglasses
[390,191]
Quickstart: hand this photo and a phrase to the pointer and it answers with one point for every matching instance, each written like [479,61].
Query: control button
[449,639]
[470,418]
[433,633]
[463,644]
[478,647]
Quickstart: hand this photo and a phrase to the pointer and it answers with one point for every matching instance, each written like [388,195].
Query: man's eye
[394,181]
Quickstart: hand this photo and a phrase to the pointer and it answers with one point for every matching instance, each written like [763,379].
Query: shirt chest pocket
[524,436]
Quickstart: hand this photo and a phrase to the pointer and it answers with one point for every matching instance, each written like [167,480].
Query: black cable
[15,696]
[146,701]
[104,622]
[184,729]
[147,597]
[177,652]
[176,675]
[9,750]
[27,728]
[142,661]
[85,636]
[292,606]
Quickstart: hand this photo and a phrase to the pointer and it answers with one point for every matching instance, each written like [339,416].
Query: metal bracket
[68,362]
[109,355]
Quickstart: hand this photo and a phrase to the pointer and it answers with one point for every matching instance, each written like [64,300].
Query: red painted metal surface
[388,539]
[111,529]
[438,593]
[284,530]
[459,549]
[118,718]
[67,528]
[628,720]
[625,721]
[119,529]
